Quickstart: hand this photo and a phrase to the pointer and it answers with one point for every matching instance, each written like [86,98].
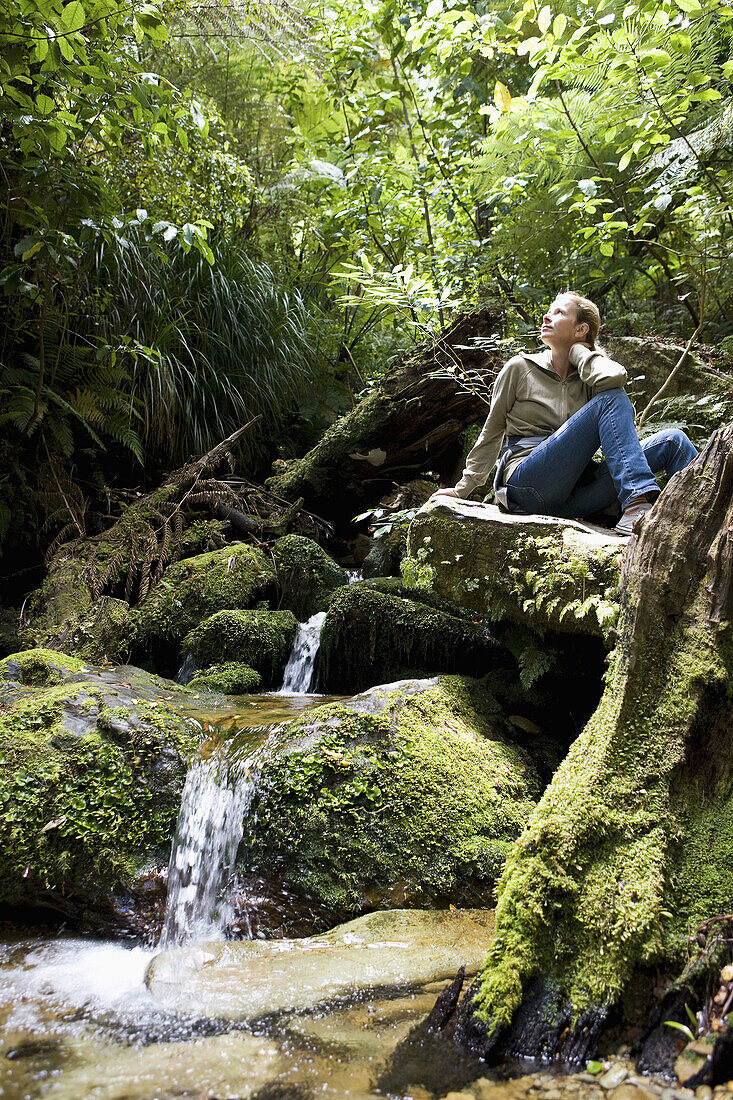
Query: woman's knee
[669,450]
[616,398]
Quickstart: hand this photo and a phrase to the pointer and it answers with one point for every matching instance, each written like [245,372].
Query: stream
[79,1021]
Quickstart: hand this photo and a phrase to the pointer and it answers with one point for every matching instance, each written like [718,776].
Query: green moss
[418,800]
[306,575]
[231,679]
[384,559]
[632,843]
[373,634]
[238,576]
[260,639]
[39,667]
[555,580]
[88,790]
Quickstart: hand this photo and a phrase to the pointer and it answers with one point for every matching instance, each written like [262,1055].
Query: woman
[556,408]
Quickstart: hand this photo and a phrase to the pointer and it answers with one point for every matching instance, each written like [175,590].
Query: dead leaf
[524,724]
[53,824]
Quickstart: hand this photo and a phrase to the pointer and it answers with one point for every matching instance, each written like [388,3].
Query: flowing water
[78,1021]
[299,670]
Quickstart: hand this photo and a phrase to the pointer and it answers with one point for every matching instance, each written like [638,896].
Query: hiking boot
[631,514]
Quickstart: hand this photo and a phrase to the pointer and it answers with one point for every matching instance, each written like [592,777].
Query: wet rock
[93,766]
[376,632]
[261,639]
[693,1058]
[613,1077]
[306,575]
[540,571]
[631,1092]
[251,979]
[409,794]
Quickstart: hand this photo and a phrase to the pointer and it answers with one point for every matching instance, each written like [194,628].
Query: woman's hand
[445,493]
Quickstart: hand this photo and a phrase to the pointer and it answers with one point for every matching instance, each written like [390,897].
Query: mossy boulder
[385,556]
[410,794]
[377,632]
[64,616]
[261,639]
[543,572]
[699,397]
[232,678]
[91,777]
[236,577]
[306,575]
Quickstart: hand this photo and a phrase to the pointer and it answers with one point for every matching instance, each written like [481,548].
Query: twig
[660,392]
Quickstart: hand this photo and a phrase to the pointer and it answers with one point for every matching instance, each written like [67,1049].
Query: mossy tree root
[632,843]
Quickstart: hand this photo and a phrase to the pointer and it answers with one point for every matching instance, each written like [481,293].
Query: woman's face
[560,324]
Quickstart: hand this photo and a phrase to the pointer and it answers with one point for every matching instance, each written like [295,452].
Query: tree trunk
[410,424]
[631,847]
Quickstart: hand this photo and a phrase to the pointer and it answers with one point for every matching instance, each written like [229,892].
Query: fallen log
[410,424]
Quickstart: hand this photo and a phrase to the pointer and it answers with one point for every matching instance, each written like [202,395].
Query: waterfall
[188,669]
[299,669]
[216,798]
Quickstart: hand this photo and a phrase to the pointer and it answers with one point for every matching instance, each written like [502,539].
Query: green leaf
[544,19]
[44,104]
[73,15]
[680,1027]
[32,250]
[502,97]
[606,248]
[67,50]
[434,8]
[559,24]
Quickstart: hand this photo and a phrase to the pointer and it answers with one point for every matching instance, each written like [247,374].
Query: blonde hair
[588,314]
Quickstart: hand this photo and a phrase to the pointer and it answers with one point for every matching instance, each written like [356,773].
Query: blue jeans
[546,482]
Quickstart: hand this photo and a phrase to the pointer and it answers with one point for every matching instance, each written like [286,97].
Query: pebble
[704,1092]
[632,1092]
[459,1096]
[483,1089]
[613,1077]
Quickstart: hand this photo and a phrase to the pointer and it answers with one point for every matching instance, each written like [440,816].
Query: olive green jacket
[530,399]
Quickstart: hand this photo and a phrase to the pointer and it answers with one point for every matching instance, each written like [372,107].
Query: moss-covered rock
[409,794]
[260,639]
[385,556]
[306,575]
[232,678]
[90,780]
[698,397]
[375,632]
[235,577]
[63,615]
[537,570]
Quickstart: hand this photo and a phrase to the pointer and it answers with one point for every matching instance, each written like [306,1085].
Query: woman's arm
[596,369]
[483,455]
